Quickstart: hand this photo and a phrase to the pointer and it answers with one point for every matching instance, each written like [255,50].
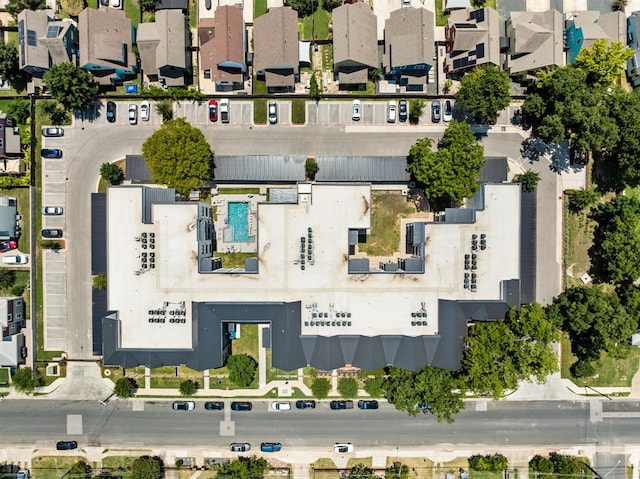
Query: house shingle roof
[222,42]
[355,41]
[473,38]
[275,40]
[536,40]
[33,26]
[409,37]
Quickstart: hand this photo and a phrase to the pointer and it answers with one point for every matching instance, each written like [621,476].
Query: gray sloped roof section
[137,169]
[260,168]
[98,233]
[362,168]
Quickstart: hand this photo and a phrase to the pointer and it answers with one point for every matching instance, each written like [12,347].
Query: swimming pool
[238,220]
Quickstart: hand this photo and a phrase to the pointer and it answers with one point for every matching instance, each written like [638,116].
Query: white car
[133,114]
[224,110]
[115,3]
[281,406]
[342,447]
[273,112]
[357,109]
[447,113]
[52,210]
[392,108]
[145,111]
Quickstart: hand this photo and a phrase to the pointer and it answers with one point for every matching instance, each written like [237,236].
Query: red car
[8,246]
[213,110]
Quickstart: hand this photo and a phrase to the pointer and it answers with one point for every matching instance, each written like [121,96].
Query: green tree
[188,388]
[242,369]
[24,381]
[14,7]
[491,463]
[594,319]
[304,7]
[311,168]
[146,467]
[243,468]
[72,7]
[329,5]
[416,108]
[55,111]
[320,387]
[79,470]
[19,109]
[374,386]
[125,387]
[178,156]
[567,466]
[17,289]
[528,180]
[616,242]
[483,93]
[99,281]
[7,278]
[540,466]
[582,199]
[360,471]
[629,296]
[450,173]
[348,387]
[164,108]
[314,88]
[112,173]
[604,62]
[147,5]
[397,471]
[10,64]
[73,87]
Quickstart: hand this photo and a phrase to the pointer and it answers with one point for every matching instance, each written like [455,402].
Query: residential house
[106,42]
[8,221]
[12,341]
[355,44]
[473,39]
[10,144]
[409,47]
[584,28]
[223,47]
[275,44]
[633,65]
[535,41]
[163,46]
[43,41]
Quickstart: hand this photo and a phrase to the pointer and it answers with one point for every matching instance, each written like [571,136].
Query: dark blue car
[270,446]
[51,153]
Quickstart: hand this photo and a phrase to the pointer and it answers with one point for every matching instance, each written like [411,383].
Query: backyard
[578,239]
[315,25]
[387,209]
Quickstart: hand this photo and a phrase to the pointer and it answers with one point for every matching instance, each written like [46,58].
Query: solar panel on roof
[32,39]
[52,31]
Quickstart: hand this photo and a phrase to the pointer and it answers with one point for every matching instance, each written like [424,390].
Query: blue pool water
[238,220]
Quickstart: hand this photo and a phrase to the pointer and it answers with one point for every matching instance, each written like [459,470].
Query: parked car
[357,110]
[214,405]
[104,3]
[241,406]
[8,246]
[270,447]
[52,131]
[403,113]
[51,153]
[213,110]
[224,110]
[115,3]
[447,114]
[23,474]
[52,210]
[15,259]
[66,445]
[273,112]
[240,447]
[111,112]
[342,447]
[391,111]
[51,233]
[368,404]
[424,407]
[305,404]
[145,111]
[340,404]
[435,111]
[133,114]
[184,406]
[281,406]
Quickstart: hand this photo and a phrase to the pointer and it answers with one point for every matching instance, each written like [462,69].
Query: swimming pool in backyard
[238,222]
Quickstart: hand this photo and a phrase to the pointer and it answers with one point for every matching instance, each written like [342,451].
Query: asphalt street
[487,423]
[70,181]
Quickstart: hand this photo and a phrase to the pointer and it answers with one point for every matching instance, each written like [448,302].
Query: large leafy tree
[73,87]
[112,173]
[348,387]
[594,319]
[529,180]
[242,369]
[9,63]
[360,471]
[14,7]
[24,381]
[146,467]
[614,253]
[304,7]
[320,387]
[243,468]
[80,470]
[483,93]
[178,155]
[604,62]
[450,173]
[125,387]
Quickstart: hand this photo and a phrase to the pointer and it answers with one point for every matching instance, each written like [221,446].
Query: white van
[15,259]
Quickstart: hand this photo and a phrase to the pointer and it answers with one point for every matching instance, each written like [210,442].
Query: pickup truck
[341,405]
[224,110]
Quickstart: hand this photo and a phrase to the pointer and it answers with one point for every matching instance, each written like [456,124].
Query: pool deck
[221,203]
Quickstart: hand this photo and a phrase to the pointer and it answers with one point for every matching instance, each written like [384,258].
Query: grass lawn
[166,383]
[239,191]
[247,343]
[234,260]
[259,87]
[260,111]
[259,8]
[387,209]
[193,13]
[52,467]
[610,372]
[119,462]
[325,463]
[321,18]
[132,11]
[441,18]
[298,111]
[47,380]
[4,376]
[327,57]
[92,4]
[22,279]
[578,239]
[485,475]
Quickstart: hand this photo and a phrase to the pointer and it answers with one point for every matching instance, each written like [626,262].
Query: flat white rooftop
[377,304]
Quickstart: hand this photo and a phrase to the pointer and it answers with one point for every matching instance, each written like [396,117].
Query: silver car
[52,210]
[133,114]
[273,112]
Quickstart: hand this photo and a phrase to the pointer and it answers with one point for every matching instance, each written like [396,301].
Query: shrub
[348,387]
[416,108]
[320,387]
[24,380]
[100,281]
[583,199]
[188,388]
[112,173]
[583,369]
[242,369]
[311,168]
[375,386]
[125,387]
